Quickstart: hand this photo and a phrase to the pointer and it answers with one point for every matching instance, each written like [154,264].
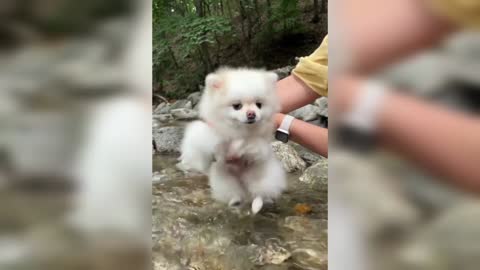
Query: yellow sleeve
[465,13]
[313,70]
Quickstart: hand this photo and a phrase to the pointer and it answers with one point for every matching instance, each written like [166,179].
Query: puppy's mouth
[251,121]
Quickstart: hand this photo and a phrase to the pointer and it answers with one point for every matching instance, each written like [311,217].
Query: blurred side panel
[75,132]
[387,210]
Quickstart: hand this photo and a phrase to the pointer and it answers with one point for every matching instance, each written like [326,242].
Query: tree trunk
[229,10]
[222,11]
[207,8]
[199,8]
[242,19]
[204,56]
[245,15]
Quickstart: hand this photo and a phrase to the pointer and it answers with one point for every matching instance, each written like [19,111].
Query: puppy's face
[246,111]
[242,98]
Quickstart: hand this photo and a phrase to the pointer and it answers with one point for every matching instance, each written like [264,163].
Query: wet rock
[166,117]
[168,139]
[317,175]
[192,231]
[158,177]
[311,253]
[301,224]
[272,253]
[306,113]
[289,157]
[184,114]
[194,98]
[310,259]
[308,156]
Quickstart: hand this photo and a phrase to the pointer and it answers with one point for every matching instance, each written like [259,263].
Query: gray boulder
[322,104]
[306,113]
[184,114]
[156,124]
[194,98]
[423,74]
[317,175]
[308,156]
[289,157]
[162,108]
[181,103]
[168,139]
[166,117]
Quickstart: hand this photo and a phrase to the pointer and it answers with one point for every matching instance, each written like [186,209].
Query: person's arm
[309,80]
[375,33]
[294,93]
[447,143]
[310,136]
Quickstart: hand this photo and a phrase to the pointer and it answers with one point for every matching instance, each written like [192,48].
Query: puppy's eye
[237,106]
[259,105]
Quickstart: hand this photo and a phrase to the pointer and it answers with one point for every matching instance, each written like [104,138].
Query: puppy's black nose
[251,115]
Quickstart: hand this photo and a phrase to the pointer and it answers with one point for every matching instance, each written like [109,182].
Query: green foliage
[193,37]
[195,32]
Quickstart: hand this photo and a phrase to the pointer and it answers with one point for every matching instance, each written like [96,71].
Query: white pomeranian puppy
[232,141]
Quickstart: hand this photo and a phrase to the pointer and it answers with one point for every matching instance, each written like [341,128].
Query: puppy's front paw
[257,205]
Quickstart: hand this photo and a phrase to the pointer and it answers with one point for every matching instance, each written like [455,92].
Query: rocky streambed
[192,231]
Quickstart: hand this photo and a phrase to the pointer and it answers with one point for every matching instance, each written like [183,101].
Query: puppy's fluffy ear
[272,77]
[213,81]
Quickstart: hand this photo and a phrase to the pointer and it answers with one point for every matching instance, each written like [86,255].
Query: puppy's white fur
[114,170]
[230,95]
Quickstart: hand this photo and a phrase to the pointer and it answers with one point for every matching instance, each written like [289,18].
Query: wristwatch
[282,134]
[357,128]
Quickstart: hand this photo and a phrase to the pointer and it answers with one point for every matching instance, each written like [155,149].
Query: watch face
[281,136]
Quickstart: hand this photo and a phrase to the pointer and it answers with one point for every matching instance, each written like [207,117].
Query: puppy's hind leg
[271,182]
[225,187]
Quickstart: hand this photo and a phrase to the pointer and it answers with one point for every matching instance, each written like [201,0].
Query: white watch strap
[364,112]
[286,122]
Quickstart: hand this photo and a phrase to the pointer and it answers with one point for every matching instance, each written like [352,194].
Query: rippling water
[191,231]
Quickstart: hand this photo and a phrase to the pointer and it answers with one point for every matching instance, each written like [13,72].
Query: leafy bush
[193,37]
